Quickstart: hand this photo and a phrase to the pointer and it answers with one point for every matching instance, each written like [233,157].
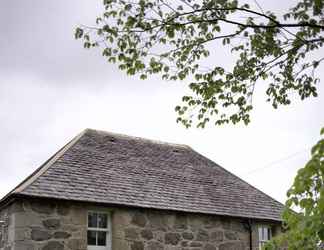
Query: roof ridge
[44,167]
[139,138]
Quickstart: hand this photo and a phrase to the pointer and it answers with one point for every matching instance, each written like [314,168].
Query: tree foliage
[305,229]
[172,38]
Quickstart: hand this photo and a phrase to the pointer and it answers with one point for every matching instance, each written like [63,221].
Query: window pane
[260,234]
[102,236]
[102,220]
[92,238]
[265,230]
[92,219]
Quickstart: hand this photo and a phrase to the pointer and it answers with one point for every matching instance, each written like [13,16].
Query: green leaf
[78,33]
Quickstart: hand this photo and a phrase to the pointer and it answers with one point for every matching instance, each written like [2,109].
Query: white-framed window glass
[265,235]
[99,231]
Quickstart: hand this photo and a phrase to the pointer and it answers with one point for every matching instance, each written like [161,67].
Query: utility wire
[271,164]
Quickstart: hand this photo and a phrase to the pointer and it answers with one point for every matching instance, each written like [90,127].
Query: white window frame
[262,236]
[97,229]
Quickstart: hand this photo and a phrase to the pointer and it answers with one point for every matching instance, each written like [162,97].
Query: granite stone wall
[44,225]
[159,230]
[48,225]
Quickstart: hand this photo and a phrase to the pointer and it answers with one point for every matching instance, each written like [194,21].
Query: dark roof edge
[6,201]
[239,178]
[120,205]
[42,169]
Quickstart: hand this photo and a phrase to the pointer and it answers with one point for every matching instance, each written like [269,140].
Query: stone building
[105,191]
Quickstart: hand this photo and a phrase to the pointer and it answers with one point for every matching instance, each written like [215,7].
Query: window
[99,231]
[264,235]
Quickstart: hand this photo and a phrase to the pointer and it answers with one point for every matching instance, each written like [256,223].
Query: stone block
[42,207]
[26,219]
[52,223]
[172,238]
[209,247]
[21,234]
[77,244]
[217,236]
[173,248]
[70,227]
[38,234]
[195,244]
[231,246]
[23,246]
[137,245]
[187,235]
[157,221]
[121,218]
[211,222]
[54,245]
[61,235]
[238,226]
[184,243]
[226,223]
[155,245]
[78,216]
[229,235]
[195,223]
[139,219]
[243,236]
[159,235]
[119,244]
[131,233]
[181,222]
[202,235]
[63,209]
[147,234]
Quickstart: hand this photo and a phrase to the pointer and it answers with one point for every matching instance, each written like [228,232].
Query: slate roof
[116,169]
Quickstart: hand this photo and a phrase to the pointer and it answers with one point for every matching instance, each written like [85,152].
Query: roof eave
[15,196]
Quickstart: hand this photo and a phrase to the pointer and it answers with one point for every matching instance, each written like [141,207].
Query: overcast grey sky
[51,89]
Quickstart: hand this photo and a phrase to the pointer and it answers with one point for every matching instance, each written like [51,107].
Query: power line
[271,164]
